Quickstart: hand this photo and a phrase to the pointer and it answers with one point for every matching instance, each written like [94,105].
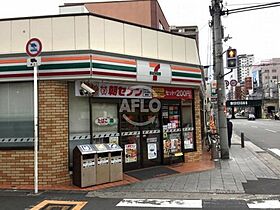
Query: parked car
[251,117]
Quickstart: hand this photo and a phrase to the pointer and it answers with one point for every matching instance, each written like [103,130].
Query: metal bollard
[242,140]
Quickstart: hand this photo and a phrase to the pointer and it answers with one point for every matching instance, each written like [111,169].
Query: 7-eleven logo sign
[156,72]
[153,72]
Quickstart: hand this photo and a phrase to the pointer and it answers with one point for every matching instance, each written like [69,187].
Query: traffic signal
[231,58]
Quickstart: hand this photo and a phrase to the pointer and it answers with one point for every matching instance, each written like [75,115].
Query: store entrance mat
[152,172]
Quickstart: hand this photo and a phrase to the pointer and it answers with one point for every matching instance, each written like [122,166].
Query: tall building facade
[265,85]
[142,12]
[245,62]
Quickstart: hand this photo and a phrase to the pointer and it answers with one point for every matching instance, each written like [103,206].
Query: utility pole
[216,13]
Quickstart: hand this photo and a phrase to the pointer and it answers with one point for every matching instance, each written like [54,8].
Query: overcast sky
[255,32]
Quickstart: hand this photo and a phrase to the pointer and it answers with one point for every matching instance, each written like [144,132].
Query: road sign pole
[35,70]
[33,48]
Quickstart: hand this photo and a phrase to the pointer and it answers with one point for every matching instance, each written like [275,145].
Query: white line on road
[161,203]
[275,151]
[268,204]
[271,131]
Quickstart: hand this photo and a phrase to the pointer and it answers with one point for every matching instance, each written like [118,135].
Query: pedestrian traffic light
[231,58]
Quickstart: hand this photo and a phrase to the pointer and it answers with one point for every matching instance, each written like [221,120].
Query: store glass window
[104,117]
[187,125]
[16,114]
[78,113]
[79,117]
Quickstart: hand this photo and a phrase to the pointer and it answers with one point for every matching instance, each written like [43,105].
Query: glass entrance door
[140,138]
[130,140]
[150,140]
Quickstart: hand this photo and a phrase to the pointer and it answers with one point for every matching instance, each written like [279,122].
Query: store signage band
[110,90]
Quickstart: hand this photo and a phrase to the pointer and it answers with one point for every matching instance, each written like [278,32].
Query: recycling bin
[115,162]
[84,165]
[102,166]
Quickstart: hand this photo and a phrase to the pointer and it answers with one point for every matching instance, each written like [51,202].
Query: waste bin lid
[113,147]
[100,148]
[86,149]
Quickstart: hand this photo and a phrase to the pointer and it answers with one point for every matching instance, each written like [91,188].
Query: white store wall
[88,32]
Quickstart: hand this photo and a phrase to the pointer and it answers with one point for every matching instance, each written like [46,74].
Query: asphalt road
[263,133]
[27,201]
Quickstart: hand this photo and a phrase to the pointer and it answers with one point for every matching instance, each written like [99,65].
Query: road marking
[271,131]
[275,151]
[56,204]
[161,203]
[268,204]
[253,126]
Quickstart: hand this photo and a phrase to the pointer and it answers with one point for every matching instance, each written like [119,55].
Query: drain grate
[59,205]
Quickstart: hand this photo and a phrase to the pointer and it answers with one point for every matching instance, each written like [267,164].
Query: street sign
[227,83]
[31,62]
[233,82]
[33,47]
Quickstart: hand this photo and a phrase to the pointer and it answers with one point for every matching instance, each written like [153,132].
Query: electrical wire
[244,4]
[251,8]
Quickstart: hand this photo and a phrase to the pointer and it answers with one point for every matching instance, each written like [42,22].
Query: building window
[16,114]
[266,71]
[273,70]
[274,77]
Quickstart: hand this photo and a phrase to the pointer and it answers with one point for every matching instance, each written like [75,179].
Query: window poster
[130,151]
[188,140]
[152,151]
[171,144]
[114,140]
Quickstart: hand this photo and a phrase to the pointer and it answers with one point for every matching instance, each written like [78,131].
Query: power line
[244,4]
[251,8]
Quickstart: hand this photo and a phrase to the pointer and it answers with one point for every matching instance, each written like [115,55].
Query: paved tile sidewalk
[249,163]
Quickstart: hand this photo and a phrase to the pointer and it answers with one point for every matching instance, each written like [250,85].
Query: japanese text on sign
[172,93]
[123,91]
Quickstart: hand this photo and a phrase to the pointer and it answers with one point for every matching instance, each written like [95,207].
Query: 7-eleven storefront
[150,107]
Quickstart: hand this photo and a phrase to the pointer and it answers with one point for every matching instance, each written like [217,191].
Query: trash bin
[84,165]
[102,166]
[215,151]
[115,162]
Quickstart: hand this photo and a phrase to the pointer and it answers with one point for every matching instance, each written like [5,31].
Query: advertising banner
[248,83]
[130,151]
[172,93]
[152,151]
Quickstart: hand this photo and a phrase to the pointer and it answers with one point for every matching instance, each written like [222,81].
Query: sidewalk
[246,169]
[250,171]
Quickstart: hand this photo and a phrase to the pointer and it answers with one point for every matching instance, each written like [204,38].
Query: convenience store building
[147,95]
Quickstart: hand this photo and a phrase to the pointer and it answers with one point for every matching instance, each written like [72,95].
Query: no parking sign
[33,47]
